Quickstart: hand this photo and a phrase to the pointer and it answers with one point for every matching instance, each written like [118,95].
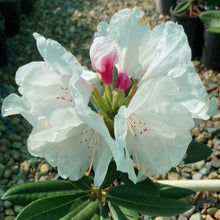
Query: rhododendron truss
[136,109]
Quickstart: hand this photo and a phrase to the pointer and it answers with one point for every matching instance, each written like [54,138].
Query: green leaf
[49,208]
[215,30]
[101,214]
[121,213]
[29,192]
[182,7]
[146,187]
[196,152]
[77,206]
[173,192]
[87,212]
[111,175]
[145,203]
[211,19]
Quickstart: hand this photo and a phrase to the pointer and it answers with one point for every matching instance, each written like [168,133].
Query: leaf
[101,214]
[121,213]
[145,203]
[182,7]
[29,192]
[146,187]
[77,206]
[211,19]
[196,152]
[215,30]
[111,175]
[88,212]
[49,208]
[173,192]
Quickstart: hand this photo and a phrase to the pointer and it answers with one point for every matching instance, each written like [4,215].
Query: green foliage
[79,200]
[29,192]
[182,7]
[144,197]
[202,5]
[173,192]
[196,152]
[212,20]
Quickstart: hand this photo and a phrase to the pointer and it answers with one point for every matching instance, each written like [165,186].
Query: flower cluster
[138,108]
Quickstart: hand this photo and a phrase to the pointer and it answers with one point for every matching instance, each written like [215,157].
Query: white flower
[48,104]
[163,51]
[154,128]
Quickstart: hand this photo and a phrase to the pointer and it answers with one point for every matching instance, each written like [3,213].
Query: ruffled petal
[157,131]
[56,54]
[64,143]
[44,88]
[130,34]
[14,104]
[172,52]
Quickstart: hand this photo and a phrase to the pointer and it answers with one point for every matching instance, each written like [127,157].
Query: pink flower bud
[123,81]
[103,56]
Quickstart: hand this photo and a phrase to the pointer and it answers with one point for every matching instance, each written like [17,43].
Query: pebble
[212,211]
[7,173]
[208,217]
[9,218]
[7,204]
[195,216]
[197,176]
[217,214]
[182,217]
[215,162]
[204,171]
[9,212]
[18,208]
[44,168]
[189,212]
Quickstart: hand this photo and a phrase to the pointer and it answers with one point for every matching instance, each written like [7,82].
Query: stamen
[65,95]
[136,127]
[136,124]
[94,143]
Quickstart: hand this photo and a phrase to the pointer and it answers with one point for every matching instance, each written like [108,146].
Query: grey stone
[204,171]
[195,216]
[197,176]
[9,212]
[17,145]
[182,217]
[17,209]
[7,204]
[215,162]
[9,218]
[15,154]
[189,212]
[7,173]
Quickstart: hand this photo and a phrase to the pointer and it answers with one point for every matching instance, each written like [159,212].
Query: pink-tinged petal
[123,81]
[103,56]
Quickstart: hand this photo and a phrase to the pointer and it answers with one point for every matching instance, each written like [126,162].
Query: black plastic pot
[163,6]
[211,50]
[11,11]
[26,6]
[194,29]
[3,53]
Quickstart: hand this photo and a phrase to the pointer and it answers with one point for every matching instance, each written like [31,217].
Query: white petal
[57,55]
[173,54]
[103,156]
[193,95]
[158,129]
[97,123]
[44,88]
[13,104]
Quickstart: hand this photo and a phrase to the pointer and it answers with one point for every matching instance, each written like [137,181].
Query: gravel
[73,24]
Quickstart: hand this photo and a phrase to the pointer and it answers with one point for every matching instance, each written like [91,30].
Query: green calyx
[110,102]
